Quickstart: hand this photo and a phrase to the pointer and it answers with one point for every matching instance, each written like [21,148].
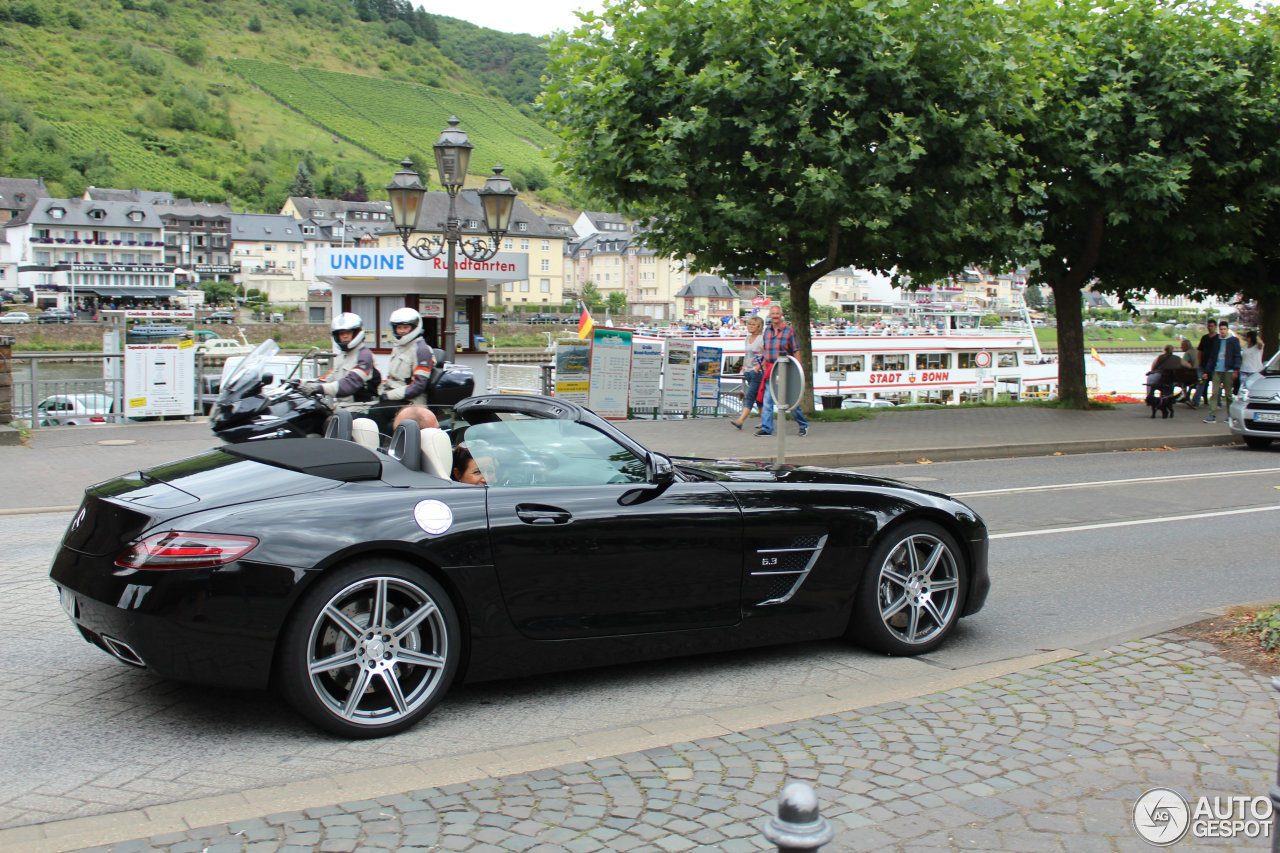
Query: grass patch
[39,343]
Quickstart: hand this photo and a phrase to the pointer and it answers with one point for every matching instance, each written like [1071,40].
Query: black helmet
[409,317]
[348,322]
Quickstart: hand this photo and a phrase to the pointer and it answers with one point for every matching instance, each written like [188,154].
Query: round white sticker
[433,516]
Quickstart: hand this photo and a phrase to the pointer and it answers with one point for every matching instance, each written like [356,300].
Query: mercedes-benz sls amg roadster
[362,581]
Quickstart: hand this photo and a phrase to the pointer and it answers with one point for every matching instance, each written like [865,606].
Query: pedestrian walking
[752,368]
[779,341]
[1250,357]
[1206,341]
[1224,367]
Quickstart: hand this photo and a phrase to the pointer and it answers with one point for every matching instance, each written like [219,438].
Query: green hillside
[223,99]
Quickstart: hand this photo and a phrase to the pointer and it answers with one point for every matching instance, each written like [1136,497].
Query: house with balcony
[273,256]
[336,223]
[613,257]
[64,251]
[197,241]
[707,299]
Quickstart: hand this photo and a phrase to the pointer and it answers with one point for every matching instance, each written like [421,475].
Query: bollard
[797,827]
[1275,796]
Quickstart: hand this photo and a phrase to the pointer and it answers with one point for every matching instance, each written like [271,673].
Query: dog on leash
[1161,393]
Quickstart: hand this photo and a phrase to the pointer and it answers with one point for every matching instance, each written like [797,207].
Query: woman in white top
[752,367]
[1250,356]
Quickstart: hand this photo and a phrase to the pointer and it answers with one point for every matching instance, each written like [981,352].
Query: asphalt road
[1084,550]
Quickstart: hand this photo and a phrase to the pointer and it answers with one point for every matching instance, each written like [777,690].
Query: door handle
[532,514]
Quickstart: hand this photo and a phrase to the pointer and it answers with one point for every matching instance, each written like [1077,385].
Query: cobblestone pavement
[1046,759]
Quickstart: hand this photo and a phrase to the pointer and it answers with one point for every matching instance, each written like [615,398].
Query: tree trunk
[800,321]
[1268,299]
[1071,375]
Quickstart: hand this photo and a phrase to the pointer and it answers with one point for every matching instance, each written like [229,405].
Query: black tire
[1257,442]
[912,591]
[380,626]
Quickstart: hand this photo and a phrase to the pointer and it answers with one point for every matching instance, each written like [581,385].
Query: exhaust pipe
[123,651]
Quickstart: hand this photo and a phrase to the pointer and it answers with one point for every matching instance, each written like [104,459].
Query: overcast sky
[536,17]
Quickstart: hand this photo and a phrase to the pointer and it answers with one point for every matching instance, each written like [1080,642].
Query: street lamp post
[406,193]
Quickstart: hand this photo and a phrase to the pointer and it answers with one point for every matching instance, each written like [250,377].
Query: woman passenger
[465,469]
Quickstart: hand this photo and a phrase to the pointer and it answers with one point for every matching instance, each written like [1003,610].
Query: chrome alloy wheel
[918,589]
[377,651]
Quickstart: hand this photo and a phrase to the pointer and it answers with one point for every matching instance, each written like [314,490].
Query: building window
[522,226]
[56,213]
[508,244]
[545,285]
[508,286]
[546,265]
[524,287]
[524,245]
[546,245]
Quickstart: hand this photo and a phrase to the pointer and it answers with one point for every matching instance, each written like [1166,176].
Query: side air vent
[783,570]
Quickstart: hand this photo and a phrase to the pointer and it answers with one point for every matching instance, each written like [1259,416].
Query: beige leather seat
[365,433]
[437,452]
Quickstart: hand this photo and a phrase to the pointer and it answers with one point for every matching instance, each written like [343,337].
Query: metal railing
[82,404]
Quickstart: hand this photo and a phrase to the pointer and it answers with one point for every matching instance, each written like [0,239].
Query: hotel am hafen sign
[357,264]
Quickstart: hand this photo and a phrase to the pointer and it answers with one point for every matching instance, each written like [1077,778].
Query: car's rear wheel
[371,649]
[911,592]
[1257,442]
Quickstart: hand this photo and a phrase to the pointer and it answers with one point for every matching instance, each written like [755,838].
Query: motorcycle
[252,406]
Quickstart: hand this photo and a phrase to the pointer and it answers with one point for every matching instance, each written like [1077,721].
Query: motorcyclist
[353,376]
[410,364]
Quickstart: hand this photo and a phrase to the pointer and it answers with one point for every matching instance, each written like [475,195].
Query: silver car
[1254,414]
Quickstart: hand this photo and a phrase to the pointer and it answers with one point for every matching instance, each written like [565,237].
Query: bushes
[1265,626]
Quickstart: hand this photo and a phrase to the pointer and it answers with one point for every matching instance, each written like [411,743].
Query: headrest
[364,431]
[437,452]
[405,446]
[338,425]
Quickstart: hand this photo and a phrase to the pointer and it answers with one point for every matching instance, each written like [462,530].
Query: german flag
[585,323]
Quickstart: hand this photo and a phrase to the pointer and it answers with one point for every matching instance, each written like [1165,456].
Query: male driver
[779,341]
[1224,362]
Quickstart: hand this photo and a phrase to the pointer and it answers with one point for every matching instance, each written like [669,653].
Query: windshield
[248,372]
[1272,367]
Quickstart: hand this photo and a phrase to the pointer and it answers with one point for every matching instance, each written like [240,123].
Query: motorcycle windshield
[248,373]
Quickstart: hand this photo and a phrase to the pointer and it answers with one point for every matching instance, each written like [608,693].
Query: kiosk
[375,282]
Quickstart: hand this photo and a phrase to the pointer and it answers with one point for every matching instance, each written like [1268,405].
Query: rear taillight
[175,549]
[97,419]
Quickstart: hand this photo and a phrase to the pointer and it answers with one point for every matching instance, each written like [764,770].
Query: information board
[573,370]
[646,375]
[708,375]
[610,372]
[159,379]
[677,378]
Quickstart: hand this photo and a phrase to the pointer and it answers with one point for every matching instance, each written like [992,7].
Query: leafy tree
[218,292]
[191,51]
[591,295]
[616,302]
[1033,297]
[797,135]
[1138,104]
[302,185]
[255,24]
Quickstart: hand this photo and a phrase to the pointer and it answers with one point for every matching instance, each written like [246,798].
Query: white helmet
[347,322]
[405,316]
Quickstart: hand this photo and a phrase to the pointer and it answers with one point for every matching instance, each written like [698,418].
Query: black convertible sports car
[363,582]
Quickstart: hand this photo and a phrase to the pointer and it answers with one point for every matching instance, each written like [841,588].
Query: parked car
[1254,414]
[540,319]
[57,315]
[223,347]
[364,584]
[866,404]
[488,318]
[12,296]
[74,409]
[16,317]
[220,317]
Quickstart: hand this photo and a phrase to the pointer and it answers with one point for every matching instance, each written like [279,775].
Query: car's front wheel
[371,649]
[1257,442]
[911,592]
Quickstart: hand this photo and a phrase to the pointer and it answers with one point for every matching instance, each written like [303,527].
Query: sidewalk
[1048,755]
[56,464]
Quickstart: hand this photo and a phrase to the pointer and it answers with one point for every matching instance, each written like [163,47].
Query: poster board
[159,379]
[677,380]
[646,375]
[573,370]
[610,372]
[708,362]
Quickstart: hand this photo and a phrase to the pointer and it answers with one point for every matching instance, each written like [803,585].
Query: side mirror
[661,471]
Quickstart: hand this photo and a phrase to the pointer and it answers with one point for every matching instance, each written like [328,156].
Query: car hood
[756,472]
